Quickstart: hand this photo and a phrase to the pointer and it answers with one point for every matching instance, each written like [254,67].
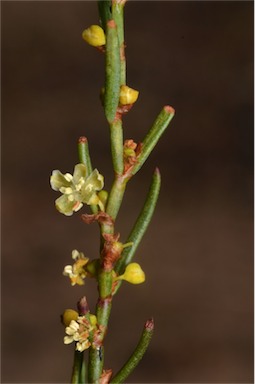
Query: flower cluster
[81,331]
[77,189]
[76,272]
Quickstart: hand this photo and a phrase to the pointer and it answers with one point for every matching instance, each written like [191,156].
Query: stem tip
[149,325]
[157,171]
[82,139]
[169,109]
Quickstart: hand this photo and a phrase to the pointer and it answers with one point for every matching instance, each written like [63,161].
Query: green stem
[77,367]
[137,355]
[96,361]
[116,134]
[112,71]
[141,223]
[118,16]
[158,128]
[116,196]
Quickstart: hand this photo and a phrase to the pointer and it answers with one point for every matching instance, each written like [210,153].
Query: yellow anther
[68,177]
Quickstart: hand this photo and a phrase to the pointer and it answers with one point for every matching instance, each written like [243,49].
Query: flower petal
[96,179]
[81,346]
[64,205]
[76,254]
[68,270]
[68,339]
[58,180]
[80,171]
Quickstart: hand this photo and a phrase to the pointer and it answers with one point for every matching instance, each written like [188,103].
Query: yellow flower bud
[68,316]
[93,320]
[94,35]
[129,152]
[128,95]
[92,267]
[103,196]
[133,274]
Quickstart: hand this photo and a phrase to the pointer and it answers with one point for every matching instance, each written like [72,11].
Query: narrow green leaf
[83,152]
[84,158]
[104,9]
[83,373]
[141,223]
[77,367]
[137,355]
[158,128]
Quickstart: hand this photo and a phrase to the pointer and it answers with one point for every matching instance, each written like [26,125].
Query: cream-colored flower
[77,189]
[72,332]
[76,272]
[80,331]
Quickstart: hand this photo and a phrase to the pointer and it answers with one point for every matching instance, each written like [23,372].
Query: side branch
[141,223]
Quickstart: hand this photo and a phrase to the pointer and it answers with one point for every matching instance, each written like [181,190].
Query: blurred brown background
[198,252]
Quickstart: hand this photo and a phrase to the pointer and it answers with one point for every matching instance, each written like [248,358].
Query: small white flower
[76,272]
[80,332]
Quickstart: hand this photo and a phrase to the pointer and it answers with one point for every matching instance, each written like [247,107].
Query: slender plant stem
[118,16]
[137,355]
[95,360]
[112,71]
[111,101]
[116,135]
[116,196]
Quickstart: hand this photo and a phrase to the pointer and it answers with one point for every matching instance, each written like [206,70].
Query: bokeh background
[198,251]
